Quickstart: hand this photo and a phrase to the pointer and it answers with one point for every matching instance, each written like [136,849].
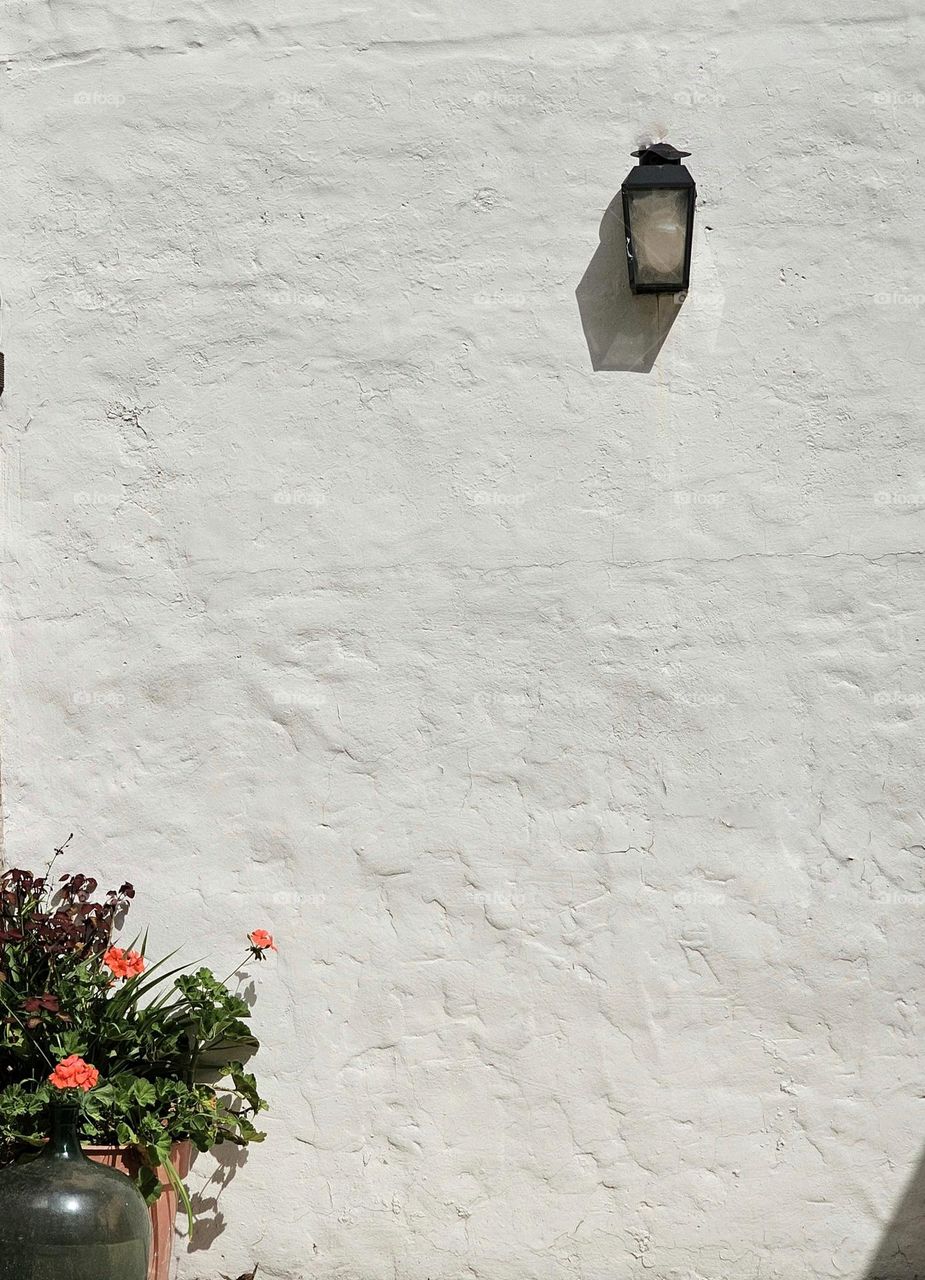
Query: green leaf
[143,1092]
[149,1184]
[246,1086]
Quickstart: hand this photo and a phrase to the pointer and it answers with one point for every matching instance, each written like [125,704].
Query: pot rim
[116,1147]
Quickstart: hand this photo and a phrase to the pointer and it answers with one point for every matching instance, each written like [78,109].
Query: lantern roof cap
[660,153]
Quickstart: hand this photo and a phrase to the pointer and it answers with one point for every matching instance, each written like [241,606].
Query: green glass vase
[62,1217]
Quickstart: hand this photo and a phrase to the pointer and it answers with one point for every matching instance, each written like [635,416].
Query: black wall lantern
[658,214]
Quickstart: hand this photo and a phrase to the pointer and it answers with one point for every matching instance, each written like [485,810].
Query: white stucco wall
[565,726]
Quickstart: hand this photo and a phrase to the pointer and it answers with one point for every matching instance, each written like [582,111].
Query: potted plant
[157,1050]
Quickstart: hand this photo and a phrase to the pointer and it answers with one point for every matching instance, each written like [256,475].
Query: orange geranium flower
[260,940]
[124,964]
[74,1073]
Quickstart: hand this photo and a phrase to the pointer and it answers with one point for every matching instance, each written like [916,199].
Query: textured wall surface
[564,725]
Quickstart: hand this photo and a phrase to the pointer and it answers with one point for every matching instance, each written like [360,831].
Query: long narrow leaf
[177,1183]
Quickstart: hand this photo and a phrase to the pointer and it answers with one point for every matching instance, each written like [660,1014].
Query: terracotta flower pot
[164,1209]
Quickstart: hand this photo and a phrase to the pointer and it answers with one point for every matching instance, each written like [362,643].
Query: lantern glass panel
[658,228]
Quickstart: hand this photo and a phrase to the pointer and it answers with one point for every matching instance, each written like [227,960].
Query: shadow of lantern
[624,331]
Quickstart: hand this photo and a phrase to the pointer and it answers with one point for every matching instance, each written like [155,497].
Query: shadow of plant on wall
[900,1254]
[210,1220]
[624,331]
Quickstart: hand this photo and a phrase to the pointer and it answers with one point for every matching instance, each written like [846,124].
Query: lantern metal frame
[659,169]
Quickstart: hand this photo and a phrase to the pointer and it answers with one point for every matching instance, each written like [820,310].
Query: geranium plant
[153,1052]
